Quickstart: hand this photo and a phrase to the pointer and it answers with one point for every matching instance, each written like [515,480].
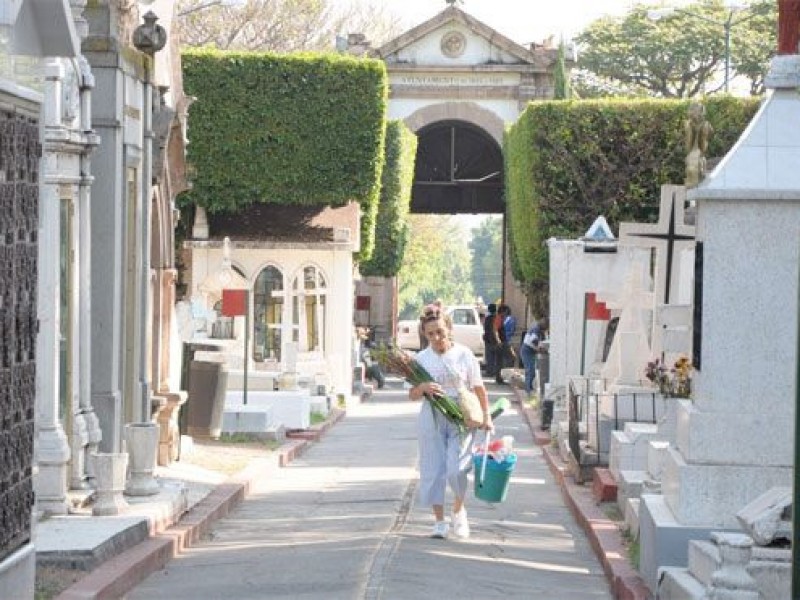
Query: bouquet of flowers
[400,363]
[676,381]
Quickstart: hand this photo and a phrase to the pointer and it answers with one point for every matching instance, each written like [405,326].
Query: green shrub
[304,129]
[391,230]
[569,161]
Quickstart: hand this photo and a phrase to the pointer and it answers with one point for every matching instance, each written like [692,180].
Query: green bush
[569,161]
[304,129]
[391,230]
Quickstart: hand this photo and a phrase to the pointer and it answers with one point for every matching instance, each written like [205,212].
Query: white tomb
[267,409]
[735,440]
[577,268]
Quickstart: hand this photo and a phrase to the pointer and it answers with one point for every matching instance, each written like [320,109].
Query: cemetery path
[341,521]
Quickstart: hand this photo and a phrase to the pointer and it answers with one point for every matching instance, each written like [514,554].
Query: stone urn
[110,469]
[142,443]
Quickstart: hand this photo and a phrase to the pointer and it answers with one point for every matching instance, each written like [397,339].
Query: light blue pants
[445,457]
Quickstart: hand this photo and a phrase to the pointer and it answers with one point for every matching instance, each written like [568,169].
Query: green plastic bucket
[494,485]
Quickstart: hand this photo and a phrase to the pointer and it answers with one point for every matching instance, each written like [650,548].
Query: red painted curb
[120,574]
[603,534]
[604,488]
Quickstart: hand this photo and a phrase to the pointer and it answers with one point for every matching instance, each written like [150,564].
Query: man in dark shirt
[491,341]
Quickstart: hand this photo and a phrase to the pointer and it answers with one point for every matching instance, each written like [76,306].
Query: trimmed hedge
[287,129]
[391,230]
[569,161]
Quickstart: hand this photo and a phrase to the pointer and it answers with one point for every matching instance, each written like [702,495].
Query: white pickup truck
[467,330]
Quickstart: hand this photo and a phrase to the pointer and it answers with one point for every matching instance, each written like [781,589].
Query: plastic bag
[470,407]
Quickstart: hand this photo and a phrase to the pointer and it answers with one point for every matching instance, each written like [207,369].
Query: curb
[118,575]
[603,533]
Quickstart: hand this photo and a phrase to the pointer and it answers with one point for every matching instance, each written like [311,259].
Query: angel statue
[696,131]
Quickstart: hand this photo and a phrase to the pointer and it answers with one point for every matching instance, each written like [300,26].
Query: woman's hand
[488,424]
[428,387]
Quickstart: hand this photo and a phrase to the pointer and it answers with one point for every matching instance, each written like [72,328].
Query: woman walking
[445,453]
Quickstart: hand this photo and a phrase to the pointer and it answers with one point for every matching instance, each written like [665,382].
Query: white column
[146,275]
[84,217]
[52,446]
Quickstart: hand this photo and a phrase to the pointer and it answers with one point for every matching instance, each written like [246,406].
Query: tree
[277,25]
[436,265]
[561,85]
[486,248]
[680,55]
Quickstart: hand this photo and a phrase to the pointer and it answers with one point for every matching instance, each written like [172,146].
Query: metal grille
[20,151]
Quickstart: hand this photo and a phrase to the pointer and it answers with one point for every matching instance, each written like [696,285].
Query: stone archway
[459,160]
[469,112]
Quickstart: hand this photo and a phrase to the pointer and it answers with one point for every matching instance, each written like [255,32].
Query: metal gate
[20,151]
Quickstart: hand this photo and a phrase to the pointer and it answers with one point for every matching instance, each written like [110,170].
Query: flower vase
[142,441]
[109,471]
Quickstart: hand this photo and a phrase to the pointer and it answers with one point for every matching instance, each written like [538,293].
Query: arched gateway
[457,83]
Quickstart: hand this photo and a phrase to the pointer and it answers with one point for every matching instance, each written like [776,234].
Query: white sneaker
[461,524]
[440,530]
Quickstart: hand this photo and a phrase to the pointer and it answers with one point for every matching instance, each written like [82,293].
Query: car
[467,329]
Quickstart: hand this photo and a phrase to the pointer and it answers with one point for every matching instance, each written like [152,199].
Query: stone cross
[669,236]
[630,349]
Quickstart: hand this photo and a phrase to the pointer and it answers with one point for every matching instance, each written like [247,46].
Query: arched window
[308,310]
[267,311]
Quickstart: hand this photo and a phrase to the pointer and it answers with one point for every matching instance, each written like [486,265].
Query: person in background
[510,327]
[491,341]
[445,456]
[372,370]
[527,352]
[504,354]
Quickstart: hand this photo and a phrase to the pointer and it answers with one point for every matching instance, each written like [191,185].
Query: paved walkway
[340,521]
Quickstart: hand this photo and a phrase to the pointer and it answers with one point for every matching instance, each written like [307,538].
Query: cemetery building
[297,263]
[457,83]
[44,142]
[113,128]
[139,113]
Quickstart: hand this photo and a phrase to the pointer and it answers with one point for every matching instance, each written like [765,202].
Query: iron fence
[590,426]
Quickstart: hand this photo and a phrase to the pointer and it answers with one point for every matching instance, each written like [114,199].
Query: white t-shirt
[458,366]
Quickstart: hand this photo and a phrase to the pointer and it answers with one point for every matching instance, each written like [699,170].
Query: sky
[523,21]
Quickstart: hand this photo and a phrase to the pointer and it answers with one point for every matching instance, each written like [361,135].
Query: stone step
[629,449]
[677,584]
[631,513]
[80,541]
[604,488]
[634,429]
[656,457]
[704,559]
[563,448]
[630,486]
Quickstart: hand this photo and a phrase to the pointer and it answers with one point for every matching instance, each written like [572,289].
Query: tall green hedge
[569,161]
[287,129]
[391,229]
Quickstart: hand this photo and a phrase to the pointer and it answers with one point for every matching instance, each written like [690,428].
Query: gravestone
[630,349]
[722,459]
[673,241]
[577,268]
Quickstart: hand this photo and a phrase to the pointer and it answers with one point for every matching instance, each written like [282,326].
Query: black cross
[671,237]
